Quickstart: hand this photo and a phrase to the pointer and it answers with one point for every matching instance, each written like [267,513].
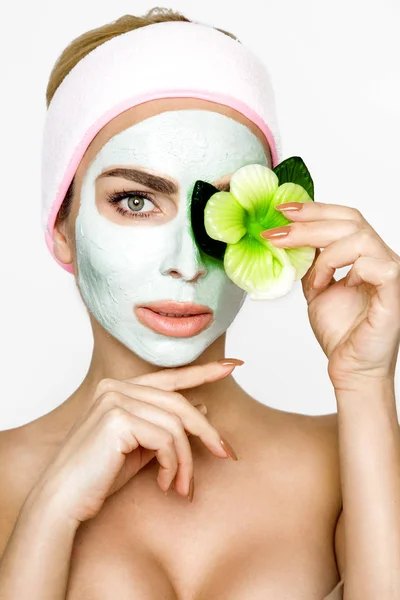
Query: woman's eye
[138,203]
[132,204]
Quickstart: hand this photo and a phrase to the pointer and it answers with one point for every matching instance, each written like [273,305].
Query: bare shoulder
[19,470]
[24,451]
[11,471]
[313,436]
[305,445]
[301,428]
[14,459]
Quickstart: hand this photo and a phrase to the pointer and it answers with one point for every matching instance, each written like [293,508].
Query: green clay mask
[123,265]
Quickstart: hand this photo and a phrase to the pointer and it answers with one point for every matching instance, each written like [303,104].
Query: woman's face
[132,231]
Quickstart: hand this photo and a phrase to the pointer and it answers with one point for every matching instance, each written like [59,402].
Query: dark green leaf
[202,192]
[294,170]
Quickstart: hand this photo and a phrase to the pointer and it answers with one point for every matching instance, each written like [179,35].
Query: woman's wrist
[45,507]
[40,548]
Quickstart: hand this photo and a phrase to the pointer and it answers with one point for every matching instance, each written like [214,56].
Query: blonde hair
[88,41]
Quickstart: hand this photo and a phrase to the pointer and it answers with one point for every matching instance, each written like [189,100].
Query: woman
[82,512]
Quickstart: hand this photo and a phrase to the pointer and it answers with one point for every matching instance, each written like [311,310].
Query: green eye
[227,226]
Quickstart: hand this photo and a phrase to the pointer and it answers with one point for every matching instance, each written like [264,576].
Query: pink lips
[191,318]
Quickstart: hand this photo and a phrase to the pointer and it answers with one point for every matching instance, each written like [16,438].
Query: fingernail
[191,490]
[311,279]
[170,486]
[275,233]
[290,206]
[228,449]
[231,361]
[202,408]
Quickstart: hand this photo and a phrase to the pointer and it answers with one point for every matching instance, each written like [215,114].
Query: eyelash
[117,197]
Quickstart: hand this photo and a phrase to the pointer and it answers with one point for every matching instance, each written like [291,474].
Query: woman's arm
[35,563]
[369,449]
[129,423]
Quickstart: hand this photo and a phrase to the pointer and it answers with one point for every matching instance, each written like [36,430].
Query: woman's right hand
[130,422]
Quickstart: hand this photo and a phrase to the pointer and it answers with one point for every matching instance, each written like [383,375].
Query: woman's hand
[356,320]
[130,422]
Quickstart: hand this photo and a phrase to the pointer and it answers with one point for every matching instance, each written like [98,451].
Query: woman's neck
[112,360]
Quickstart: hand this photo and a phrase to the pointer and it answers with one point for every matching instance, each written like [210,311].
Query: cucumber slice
[236,219]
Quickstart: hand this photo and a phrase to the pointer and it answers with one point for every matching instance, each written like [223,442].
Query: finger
[169,410]
[345,252]
[168,380]
[131,432]
[112,392]
[319,211]
[173,424]
[317,234]
[385,276]
[181,378]
[148,455]
[317,253]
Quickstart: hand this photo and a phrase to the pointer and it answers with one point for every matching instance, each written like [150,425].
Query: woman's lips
[191,319]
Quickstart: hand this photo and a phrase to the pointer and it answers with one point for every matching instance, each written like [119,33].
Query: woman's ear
[62,243]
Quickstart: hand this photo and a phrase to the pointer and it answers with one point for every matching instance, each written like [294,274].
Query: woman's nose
[180,275]
[183,260]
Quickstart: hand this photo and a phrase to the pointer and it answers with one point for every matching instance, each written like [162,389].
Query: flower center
[254,228]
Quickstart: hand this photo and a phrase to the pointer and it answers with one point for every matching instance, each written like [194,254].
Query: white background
[335,70]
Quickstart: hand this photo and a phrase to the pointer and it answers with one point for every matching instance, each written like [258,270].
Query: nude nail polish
[311,279]
[231,361]
[289,207]
[228,449]
[171,485]
[191,490]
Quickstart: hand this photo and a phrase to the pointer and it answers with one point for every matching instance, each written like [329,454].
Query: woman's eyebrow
[159,184]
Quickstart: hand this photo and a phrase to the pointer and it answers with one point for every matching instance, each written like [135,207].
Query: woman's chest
[235,541]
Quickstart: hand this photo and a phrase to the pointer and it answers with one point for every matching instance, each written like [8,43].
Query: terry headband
[164,60]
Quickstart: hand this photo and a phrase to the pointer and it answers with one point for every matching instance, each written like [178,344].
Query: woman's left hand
[356,320]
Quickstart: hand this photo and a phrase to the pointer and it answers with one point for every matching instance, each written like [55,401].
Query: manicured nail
[231,361]
[228,449]
[171,485]
[278,232]
[202,408]
[191,490]
[290,206]
[311,279]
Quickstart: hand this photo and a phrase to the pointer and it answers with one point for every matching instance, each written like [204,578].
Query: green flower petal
[224,218]
[301,258]
[253,187]
[261,269]
[287,192]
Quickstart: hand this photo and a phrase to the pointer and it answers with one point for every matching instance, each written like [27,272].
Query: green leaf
[294,170]
[202,192]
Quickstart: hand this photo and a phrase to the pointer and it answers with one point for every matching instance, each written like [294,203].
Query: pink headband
[163,60]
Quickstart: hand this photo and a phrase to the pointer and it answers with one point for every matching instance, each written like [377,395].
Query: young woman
[285,504]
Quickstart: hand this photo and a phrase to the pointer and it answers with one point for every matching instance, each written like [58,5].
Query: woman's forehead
[185,145]
[143,111]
